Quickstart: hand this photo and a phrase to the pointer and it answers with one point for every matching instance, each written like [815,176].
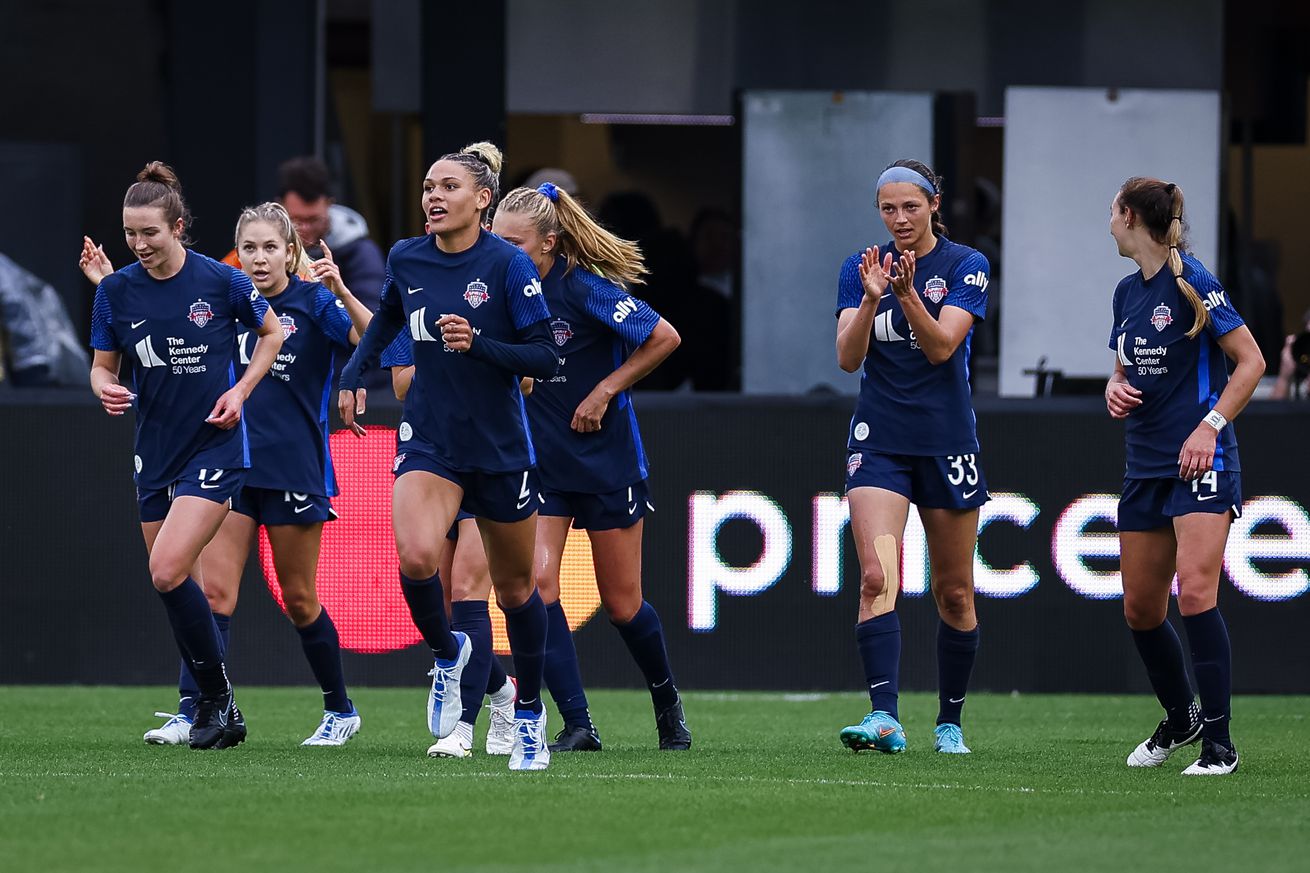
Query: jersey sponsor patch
[1162,317]
[476,293]
[562,330]
[200,314]
[406,431]
[935,289]
[532,289]
[862,430]
[623,309]
[288,326]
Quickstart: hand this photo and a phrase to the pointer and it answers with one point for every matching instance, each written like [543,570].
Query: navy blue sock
[956,650]
[188,692]
[197,635]
[1162,653]
[1212,662]
[526,625]
[879,641]
[496,676]
[427,608]
[472,618]
[323,652]
[644,636]
[563,676]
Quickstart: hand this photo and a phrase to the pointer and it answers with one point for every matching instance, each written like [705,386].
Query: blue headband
[551,192]
[905,174]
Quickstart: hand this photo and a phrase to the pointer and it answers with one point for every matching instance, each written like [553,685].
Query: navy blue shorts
[499,497]
[617,509]
[220,486]
[950,482]
[453,533]
[1147,504]
[270,507]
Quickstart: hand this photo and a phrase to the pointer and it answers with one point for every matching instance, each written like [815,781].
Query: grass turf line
[767,786]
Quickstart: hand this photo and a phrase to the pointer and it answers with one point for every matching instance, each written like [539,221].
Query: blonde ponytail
[1174,240]
[582,241]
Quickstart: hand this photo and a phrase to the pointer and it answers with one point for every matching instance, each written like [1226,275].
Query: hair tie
[551,192]
[1177,218]
[905,174]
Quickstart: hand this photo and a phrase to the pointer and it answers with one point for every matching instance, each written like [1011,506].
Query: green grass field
[767,787]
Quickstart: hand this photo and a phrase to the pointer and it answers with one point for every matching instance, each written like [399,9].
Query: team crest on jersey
[1162,317]
[476,293]
[288,326]
[200,313]
[563,331]
[935,289]
[853,463]
[400,459]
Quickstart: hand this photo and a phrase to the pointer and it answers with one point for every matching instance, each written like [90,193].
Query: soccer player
[464,564]
[173,314]
[1173,327]
[912,440]
[477,318]
[593,467]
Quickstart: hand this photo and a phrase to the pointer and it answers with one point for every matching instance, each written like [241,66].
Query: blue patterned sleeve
[103,336]
[331,317]
[850,290]
[1223,317]
[527,305]
[629,317]
[249,305]
[968,285]
[400,353]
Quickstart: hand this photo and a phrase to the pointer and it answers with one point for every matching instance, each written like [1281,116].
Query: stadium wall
[746,557]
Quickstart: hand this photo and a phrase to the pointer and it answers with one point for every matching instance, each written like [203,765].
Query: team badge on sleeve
[476,293]
[400,459]
[1162,317]
[935,289]
[288,326]
[200,313]
[853,463]
[563,331]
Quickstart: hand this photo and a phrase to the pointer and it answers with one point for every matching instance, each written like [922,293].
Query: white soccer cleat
[334,729]
[1156,749]
[444,703]
[1215,760]
[458,744]
[500,736]
[174,732]
[530,749]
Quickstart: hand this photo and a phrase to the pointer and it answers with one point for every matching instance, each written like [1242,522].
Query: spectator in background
[713,323]
[1294,364]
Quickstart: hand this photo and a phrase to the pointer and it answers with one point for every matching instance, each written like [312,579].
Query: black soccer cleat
[672,727]
[576,738]
[218,723]
[1216,760]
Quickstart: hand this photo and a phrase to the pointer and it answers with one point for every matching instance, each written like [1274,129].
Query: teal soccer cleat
[877,731]
[950,740]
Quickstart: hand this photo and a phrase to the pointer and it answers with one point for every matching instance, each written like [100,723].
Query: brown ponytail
[581,239]
[157,185]
[1160,207]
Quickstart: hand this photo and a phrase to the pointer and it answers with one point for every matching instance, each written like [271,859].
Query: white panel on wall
[1067,151]
[810,163]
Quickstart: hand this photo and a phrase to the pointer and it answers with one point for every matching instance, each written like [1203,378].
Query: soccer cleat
[500,736]
[576,738]
[444,704]
[672,727]
[950,740]
[174,732]
[1156,749]
[335,729]
[530,749]
[878,731]
[1215,760]
[457,744]
[218,724]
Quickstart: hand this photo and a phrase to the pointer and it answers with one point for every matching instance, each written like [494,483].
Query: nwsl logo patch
[1162,317]
[288,325]
[563,331]
[200,314]
[476,293]
[400,459]
[853,463]
[935,289]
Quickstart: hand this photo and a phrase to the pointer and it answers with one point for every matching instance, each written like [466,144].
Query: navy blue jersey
[596,325]
[907,405]
[177,336]
[464,412]
[400,353]
[287,414]
[1180,378]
